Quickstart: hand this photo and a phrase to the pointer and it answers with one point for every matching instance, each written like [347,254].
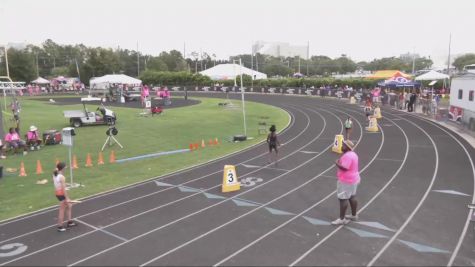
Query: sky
[361,29]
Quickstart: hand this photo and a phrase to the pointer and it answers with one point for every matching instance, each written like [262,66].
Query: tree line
[52,59]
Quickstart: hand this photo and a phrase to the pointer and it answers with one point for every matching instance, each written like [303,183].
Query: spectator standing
[348,128]
[407,97]
[347,184]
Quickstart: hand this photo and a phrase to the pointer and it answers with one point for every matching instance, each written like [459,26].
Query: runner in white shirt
[61,194]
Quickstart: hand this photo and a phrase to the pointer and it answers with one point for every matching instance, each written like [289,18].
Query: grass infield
[174,129]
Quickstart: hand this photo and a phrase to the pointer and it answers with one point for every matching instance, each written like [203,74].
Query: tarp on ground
[385,74]
[229,71]
[115,78]
[432,75]
[40,80]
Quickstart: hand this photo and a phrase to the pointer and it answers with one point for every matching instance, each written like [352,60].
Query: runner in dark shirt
[273,143]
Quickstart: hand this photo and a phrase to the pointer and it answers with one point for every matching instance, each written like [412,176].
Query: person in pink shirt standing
[144,94]
[348,179]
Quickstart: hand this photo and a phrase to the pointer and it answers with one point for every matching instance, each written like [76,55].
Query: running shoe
[72,223]
[61,229]
[340,221]
[351,217]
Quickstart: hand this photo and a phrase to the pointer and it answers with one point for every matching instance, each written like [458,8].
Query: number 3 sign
[230,179]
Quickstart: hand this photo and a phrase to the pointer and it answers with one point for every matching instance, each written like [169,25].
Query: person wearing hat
[33,139]
[273,143]
[347,184]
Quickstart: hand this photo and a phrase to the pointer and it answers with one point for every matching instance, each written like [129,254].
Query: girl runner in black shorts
[61,194]
[273,143]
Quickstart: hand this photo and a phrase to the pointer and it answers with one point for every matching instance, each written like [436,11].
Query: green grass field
[174,129]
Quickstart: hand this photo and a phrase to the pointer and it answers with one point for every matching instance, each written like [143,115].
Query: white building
[278,49]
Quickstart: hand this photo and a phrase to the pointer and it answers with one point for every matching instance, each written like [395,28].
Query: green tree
[60,71]
[422,63]
[464,60]
[173,60]
[157,64]
[21,64]
[344,65]
[277,69]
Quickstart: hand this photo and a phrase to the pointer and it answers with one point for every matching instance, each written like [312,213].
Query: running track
[417,178]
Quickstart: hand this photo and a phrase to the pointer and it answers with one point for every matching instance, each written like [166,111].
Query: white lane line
[467,222]
[175,201]
[150,194]
[310,152]
[403,226]
[265,167]
[243,215]
[218,203]
[149,180]
[362,170]
[150,210]
[250,166]
[300,214]
[100,229]
[272,231]
[235,219]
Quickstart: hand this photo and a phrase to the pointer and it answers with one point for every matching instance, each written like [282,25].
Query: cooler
[52,137]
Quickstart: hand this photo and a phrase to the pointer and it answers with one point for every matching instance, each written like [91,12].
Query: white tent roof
[432,75]
[229,71]
[40,81]
[115,78]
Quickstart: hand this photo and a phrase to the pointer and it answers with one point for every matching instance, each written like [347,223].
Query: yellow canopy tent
[385,74]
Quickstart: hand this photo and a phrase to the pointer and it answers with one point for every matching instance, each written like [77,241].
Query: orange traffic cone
[100,161]
[22,169]
[197,146]
[210,142]
[88,160]
[192,147]
[39,168]
[112,157]
[203,143]
[75,162]
[216,141]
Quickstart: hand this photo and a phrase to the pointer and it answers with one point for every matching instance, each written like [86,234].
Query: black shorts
[272,146]
[60,198]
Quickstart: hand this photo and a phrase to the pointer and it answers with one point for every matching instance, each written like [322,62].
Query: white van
[469,68]
[462,100]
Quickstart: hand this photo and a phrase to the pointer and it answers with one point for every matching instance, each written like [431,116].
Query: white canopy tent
[431,76]
[114,78]
[229,71]
[40,80]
